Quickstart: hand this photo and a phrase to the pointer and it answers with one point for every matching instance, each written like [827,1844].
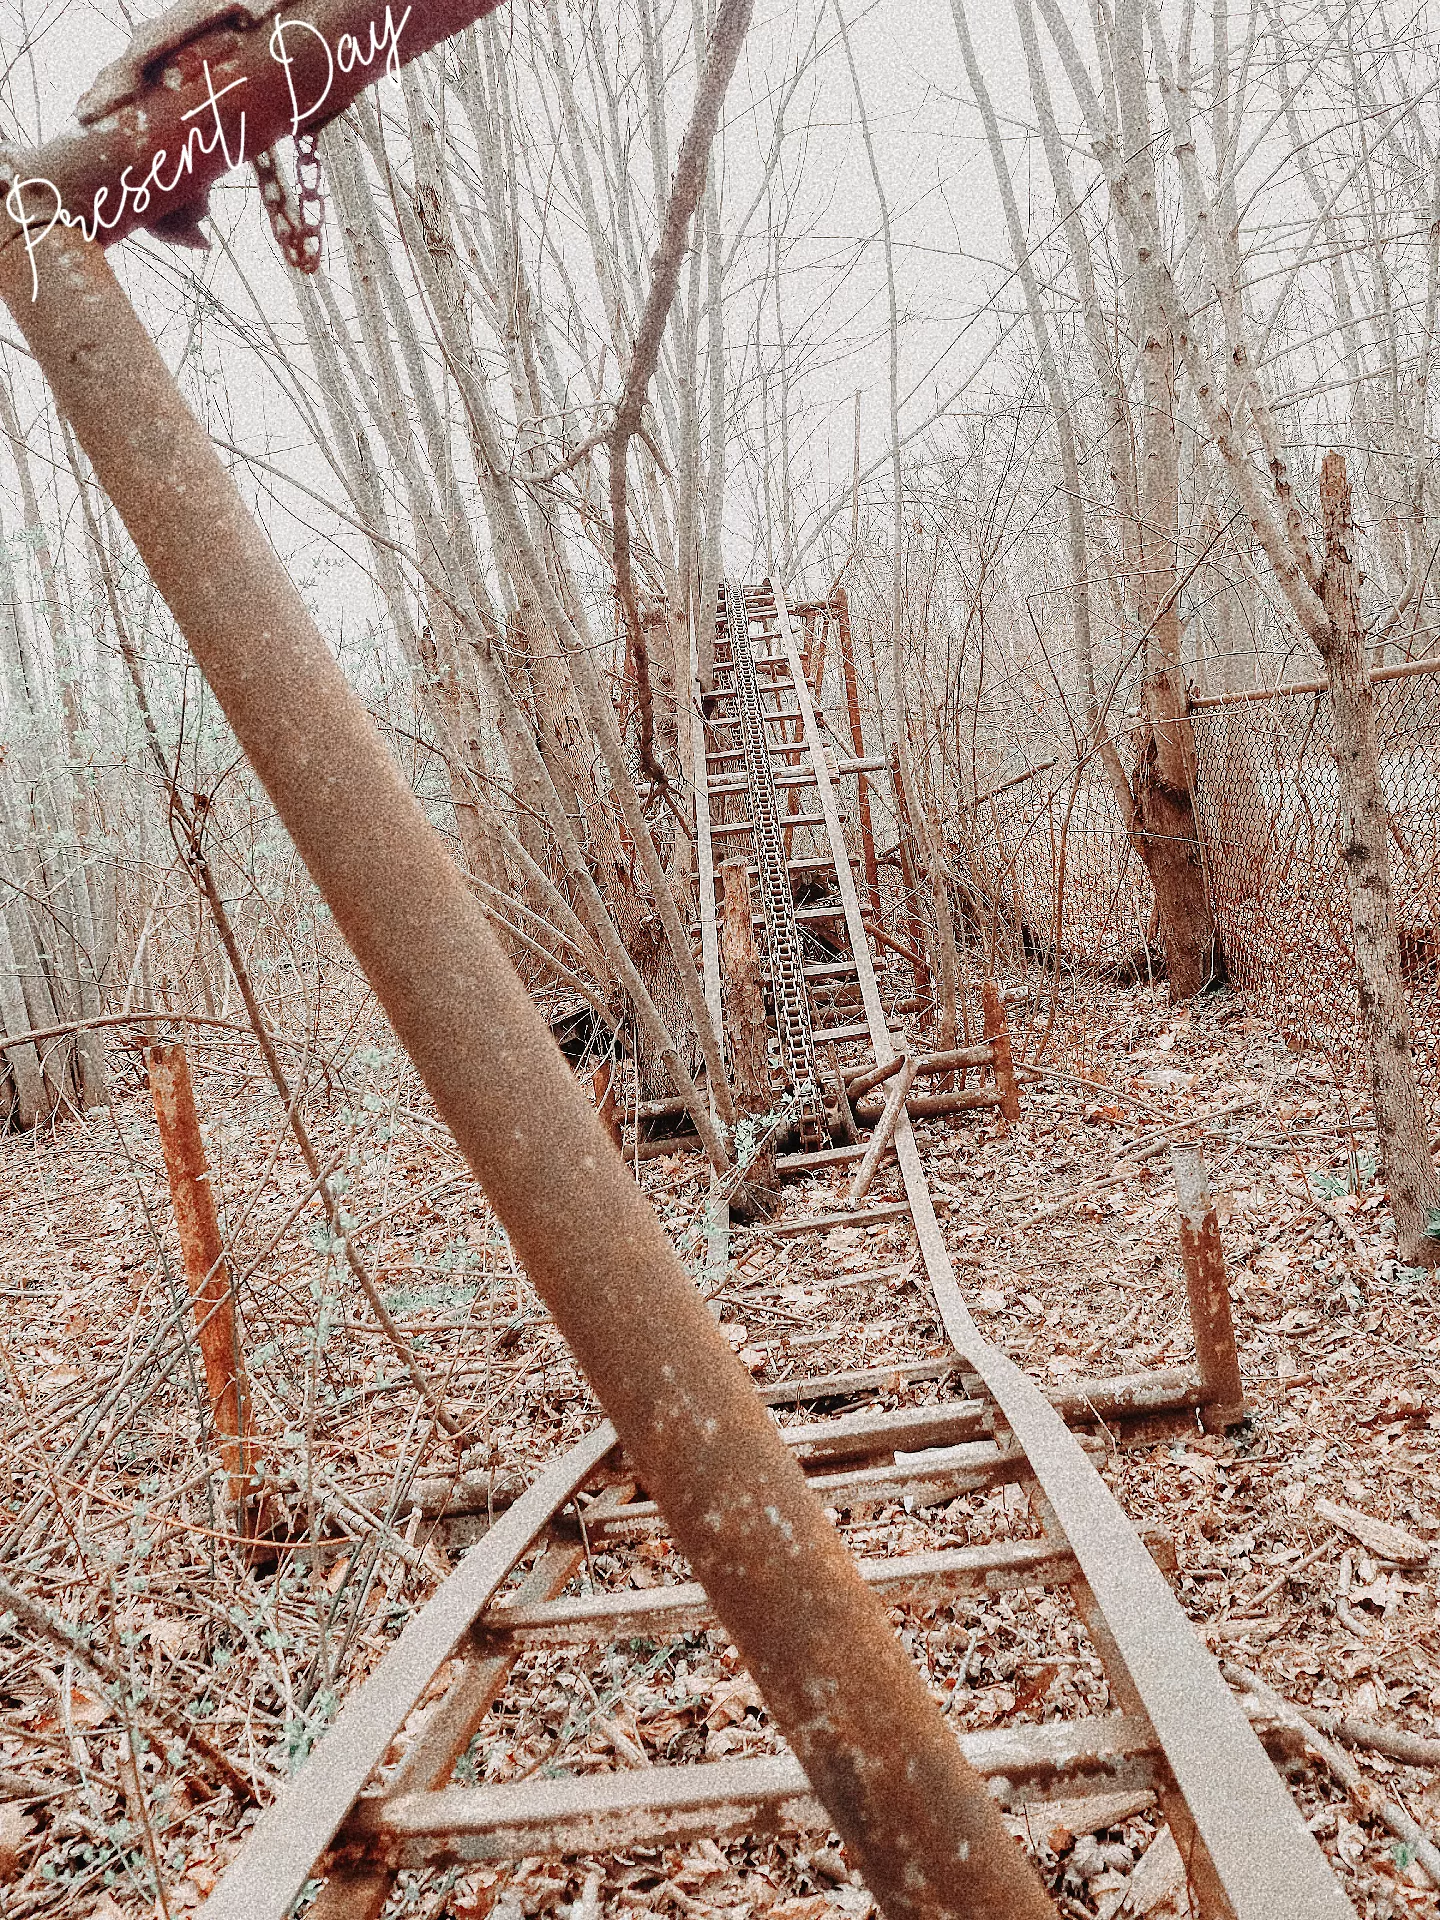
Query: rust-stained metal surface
[201,89]
[997,1033]
[360,1871]
[857,736]
[291,1835]
[1209,1294]
[874,1745]
[1264,1858]
[664,1806]
[207,1274]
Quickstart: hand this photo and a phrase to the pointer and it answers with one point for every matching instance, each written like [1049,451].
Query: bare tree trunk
[1406,1165]
[927,831]
[1164,775]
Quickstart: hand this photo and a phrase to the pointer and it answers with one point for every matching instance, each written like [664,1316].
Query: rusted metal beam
[360,1893]
[664,1806]
[845,1694]
[997,1035]
[857,737]
[670,1612]
[824,1222]
[207,1273]
[200,90]
[1268,1863]
[602,1083]
[1209,1294]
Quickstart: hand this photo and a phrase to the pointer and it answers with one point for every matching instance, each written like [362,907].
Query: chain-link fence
[1054,864]
[1051,858]
[1268,800]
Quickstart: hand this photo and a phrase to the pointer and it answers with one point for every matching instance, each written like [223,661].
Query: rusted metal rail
[923,1434]
[692,1448]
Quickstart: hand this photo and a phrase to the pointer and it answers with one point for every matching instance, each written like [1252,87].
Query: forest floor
[113,1518]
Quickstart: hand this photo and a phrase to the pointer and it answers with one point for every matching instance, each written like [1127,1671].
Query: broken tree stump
[206,1273]
[758,1196]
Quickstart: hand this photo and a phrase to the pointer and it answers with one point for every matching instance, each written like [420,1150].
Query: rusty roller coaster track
[694,1440]
[1175,1729]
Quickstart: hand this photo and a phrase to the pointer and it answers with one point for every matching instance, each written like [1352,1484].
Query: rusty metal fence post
[997,1033]
[1209,1293]
[602,1082]
[874,1744]
[206,1273]
[841,604]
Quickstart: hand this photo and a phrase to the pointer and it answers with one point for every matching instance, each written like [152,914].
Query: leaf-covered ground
[1064,1232]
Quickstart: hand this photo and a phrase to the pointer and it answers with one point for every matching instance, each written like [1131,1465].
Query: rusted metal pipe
[857,1714]
[997,1036]
[841,604]
[204,87]
[206,1274]
[1209,1292]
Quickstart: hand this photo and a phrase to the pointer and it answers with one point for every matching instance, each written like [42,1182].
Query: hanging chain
[298,228]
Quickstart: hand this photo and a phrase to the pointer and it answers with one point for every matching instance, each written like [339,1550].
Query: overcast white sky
[946,219]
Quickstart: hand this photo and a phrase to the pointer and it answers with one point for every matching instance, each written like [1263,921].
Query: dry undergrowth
[113,1518]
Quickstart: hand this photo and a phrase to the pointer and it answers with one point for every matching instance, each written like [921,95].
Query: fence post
[206,1273]
[841,604]
[602,1081]
[997,1034]
[1209,1291]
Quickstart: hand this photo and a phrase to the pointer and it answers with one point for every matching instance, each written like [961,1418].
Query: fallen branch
[50,1627]
[37,1034]
[1411,1749]
[1366,1796]
[1125,1168]
[883,1134]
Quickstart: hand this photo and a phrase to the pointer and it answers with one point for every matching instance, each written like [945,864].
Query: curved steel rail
[1178,1731]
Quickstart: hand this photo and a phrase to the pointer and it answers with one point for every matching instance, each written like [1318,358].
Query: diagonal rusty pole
[860,1719]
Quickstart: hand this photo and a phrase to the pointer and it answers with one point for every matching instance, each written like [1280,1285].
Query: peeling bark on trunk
[1406,1165]
[1164,828]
